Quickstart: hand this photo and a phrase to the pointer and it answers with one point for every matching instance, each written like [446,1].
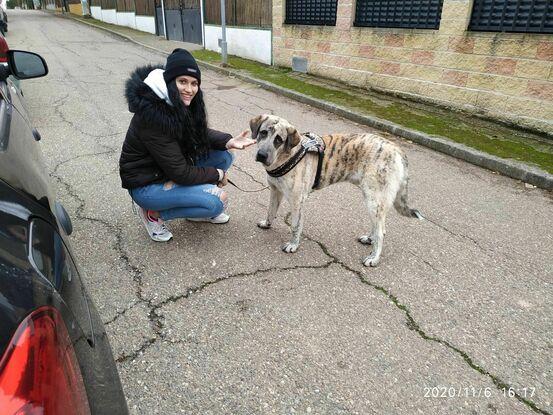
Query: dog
[374,164]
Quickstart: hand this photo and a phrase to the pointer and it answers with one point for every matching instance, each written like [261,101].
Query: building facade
[448,55]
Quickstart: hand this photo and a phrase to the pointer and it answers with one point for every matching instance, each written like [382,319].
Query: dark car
[55,358]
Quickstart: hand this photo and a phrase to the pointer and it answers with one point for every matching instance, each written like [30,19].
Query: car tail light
[4,48]
[39,373]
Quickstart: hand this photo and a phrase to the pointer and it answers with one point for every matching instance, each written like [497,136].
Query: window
[311,12]
[527,16]
[411,14]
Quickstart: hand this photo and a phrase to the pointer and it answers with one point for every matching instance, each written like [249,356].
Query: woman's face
[188,88]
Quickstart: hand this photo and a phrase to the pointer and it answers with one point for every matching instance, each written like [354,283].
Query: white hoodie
[156,82]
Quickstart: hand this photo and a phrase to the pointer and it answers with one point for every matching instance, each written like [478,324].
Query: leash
[244,190]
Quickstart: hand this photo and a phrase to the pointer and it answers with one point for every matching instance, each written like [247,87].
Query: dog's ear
[255,124]
[293,137]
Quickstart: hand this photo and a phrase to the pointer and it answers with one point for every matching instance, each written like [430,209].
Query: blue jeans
[199,201]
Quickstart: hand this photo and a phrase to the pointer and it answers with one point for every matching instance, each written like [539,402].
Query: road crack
[134,271]
[413,325]
[158,318]
[121,313]
[457,235]
[61,163]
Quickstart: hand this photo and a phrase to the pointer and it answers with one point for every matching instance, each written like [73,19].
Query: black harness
[310,143]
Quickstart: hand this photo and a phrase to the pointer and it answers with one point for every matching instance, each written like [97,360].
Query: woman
[172,164]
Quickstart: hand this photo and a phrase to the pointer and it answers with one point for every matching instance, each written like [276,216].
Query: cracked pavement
[219,320]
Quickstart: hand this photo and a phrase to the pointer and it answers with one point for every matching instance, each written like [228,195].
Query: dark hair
[193,140]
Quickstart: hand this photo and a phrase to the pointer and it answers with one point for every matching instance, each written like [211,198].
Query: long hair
[193,140]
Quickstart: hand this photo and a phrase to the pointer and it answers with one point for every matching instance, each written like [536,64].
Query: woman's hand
[241,141]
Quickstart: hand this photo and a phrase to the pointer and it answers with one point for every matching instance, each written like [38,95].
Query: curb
[510,168]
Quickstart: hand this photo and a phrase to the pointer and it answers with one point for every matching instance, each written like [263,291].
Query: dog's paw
[365,240]
[371,261]
[290,248]
[264,224]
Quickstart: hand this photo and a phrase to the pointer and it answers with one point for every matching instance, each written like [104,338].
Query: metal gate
[160,29]
[182,18]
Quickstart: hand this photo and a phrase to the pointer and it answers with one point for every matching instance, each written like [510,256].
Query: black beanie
[181,62]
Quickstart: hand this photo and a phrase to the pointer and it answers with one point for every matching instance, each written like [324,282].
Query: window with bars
[527,16]
[410,14]
[311,12]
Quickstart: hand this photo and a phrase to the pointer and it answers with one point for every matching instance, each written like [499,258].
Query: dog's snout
[261,156]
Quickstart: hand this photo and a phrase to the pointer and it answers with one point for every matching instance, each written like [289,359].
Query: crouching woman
[171,163]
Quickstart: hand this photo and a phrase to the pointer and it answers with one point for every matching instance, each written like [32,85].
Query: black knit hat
[181,62]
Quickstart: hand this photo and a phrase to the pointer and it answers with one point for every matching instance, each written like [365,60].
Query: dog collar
[310,143]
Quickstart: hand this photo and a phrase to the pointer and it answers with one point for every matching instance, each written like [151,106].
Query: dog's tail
[400,202]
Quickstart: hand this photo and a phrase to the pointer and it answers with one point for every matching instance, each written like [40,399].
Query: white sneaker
[222,218]
[157,230]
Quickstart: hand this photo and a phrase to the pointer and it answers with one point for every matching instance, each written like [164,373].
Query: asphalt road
[220,321]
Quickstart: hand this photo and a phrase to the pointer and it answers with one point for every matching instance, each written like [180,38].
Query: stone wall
[505,76]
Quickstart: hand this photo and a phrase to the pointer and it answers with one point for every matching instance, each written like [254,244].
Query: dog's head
[274,135]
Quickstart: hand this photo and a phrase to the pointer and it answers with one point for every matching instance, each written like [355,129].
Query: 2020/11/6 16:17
[476,392]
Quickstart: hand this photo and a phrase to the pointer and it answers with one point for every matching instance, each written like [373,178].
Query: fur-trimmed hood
[147,97]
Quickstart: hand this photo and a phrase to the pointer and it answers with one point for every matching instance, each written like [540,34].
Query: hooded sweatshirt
[156,82]
[151,152]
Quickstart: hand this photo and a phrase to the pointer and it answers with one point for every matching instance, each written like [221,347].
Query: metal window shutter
[527,16]
[311,12]
[413,14]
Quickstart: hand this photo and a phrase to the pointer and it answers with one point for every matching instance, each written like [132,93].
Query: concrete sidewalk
[507,166]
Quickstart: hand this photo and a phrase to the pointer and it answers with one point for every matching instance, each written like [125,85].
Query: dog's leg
[296,226]
[274,203]
[377,209]
[377,238]
[368,195]
[368,239]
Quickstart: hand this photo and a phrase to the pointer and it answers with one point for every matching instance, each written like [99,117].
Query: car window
[50,257]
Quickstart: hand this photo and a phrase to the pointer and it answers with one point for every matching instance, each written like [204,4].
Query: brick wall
[506,76]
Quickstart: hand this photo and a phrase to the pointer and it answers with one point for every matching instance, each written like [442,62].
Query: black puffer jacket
[151,152]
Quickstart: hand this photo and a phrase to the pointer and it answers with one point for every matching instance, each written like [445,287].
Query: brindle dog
[376,165]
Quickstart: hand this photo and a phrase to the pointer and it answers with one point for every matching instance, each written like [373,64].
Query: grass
[485,136]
